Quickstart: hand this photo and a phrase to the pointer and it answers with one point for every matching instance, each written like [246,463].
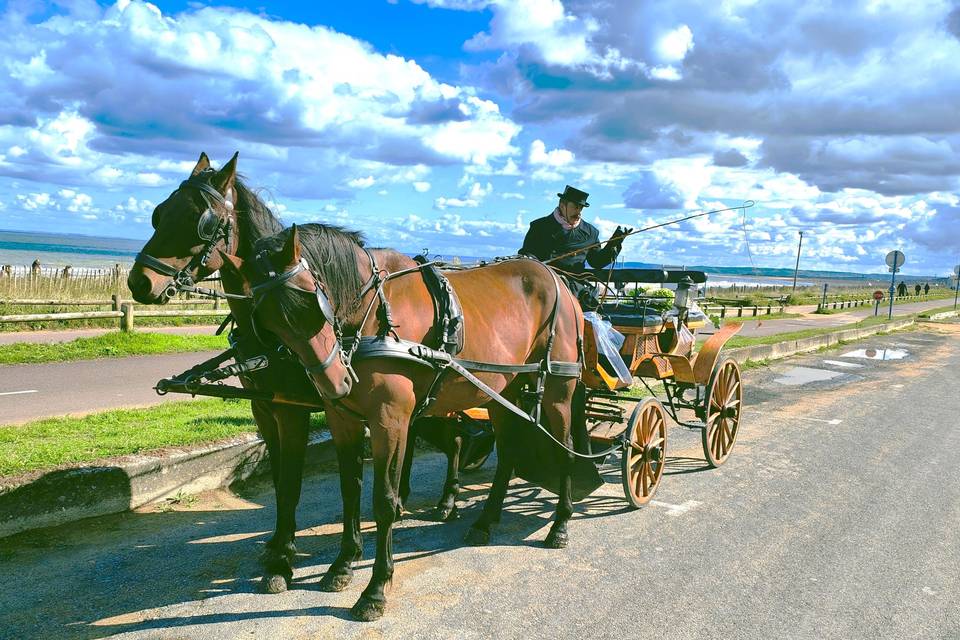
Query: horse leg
[406,470]
[558,415]
[279,431]
[503,423]
[389,439]
[453,444]
[347,435]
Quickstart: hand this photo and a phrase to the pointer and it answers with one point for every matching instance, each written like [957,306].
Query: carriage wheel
[644,452]
[722,412]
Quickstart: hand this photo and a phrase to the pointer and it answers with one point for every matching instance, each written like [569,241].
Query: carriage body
[658,347]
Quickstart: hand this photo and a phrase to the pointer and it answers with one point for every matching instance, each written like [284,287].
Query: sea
[21,248]
[55,250]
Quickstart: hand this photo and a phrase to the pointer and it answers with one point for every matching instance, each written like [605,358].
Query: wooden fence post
[117,301]
[126,321]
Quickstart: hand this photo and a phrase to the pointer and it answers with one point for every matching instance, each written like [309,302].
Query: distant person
[902,289]
[7,270]
[926,288]
[916,288]
[66,272]
[35,268]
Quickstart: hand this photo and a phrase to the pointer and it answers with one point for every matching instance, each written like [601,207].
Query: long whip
[746,205]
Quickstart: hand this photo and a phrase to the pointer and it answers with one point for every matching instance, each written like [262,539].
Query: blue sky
[451,124]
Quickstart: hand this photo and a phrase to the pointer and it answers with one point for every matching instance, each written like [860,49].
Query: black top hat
[575,195]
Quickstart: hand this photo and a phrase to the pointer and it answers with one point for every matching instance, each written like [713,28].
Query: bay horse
[316,286]
[213,214]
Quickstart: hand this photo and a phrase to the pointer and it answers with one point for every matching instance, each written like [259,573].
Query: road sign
[878,295]
[895,259]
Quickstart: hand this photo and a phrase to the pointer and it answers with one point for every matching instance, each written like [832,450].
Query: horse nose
[140,286]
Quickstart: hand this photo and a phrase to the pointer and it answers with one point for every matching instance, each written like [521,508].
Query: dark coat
[546,238]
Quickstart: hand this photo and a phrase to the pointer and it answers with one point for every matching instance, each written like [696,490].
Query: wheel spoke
[652,481]
[727,437]
[642,489]
[732,393]
[715,441]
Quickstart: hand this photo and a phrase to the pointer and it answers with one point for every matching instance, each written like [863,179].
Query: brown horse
[193,229]
[513,311]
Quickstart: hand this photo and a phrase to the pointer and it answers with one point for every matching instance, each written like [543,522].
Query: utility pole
[797,268]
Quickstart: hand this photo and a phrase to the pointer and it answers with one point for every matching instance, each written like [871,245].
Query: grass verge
[110,345]
[742,341]
[932,312]
[57,442]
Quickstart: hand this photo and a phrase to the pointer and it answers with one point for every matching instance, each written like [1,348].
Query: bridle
[345,347]
[212,227]
[275,281]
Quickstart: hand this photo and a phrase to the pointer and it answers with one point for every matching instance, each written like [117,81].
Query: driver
[564,230]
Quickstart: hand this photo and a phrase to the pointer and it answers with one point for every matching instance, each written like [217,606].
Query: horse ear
[290,254]
[202,164]
[223,180]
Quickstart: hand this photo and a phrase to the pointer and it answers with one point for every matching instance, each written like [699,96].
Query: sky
[449,125]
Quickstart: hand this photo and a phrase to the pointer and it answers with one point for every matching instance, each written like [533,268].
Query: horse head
[292,301]
[193,228]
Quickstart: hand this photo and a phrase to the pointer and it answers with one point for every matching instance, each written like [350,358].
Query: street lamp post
[797,268]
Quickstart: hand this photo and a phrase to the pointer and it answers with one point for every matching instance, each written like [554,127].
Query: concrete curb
[58,497]
[805,345]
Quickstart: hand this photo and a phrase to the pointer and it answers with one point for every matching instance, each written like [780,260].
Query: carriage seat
[620,319]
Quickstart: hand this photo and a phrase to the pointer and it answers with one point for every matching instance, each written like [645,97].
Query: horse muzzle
[330,383]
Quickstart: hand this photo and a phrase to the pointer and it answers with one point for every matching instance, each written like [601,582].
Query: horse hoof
[446,514]
[335,582]
[477,537]
[367,610]
[273,583]
[556,540]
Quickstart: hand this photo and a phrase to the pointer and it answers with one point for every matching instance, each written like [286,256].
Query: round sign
[895,259]
[878,295]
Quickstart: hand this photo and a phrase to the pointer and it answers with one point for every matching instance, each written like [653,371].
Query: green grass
[931,312]
[742,341]
[109,345]
[56,442]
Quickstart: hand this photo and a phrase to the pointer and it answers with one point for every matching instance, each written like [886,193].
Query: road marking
[677,509]
[16,393]
[834,422]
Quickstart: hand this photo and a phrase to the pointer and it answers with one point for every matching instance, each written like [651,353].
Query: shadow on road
[152,570]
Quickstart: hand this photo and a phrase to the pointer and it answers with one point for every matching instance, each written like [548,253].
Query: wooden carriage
[660,347]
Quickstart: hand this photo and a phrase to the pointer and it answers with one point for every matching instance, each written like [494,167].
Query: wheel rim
[723,413]
[645,453]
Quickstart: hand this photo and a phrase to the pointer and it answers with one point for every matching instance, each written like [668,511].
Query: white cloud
[674,45]
[443,203]
[421,187]
[553,158]
[361,183]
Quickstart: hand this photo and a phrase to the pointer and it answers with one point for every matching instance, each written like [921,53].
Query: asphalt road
[836,517]
[30,391]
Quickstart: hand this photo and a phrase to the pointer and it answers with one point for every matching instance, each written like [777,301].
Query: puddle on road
[877,354]
[846,365]
[805,375]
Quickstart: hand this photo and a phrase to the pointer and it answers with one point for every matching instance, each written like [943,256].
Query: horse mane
[254,217]
[331,253]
